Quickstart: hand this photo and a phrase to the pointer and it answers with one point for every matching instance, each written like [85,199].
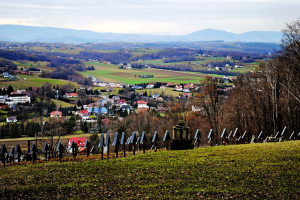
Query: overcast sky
[152,16]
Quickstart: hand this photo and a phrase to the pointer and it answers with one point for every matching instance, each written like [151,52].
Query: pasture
[248,171]
[112,73]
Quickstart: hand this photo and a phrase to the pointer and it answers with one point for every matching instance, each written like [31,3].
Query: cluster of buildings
[14,98]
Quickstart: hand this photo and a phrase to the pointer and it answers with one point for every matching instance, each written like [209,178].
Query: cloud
[152,16]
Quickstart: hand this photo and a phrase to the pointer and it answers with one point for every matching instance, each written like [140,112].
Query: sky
[160,17]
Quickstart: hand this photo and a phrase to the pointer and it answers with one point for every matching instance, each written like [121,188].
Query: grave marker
[155,139]
[74,148]
[123,142]
[167,139]
[143,141]
[12,154]
[107,143]
[33,151]
[197,139]
[133,142]
[291,136]
[181,138]
[243,137]
[19,152]
[224,136]
[60,148]
[259,137]
[87,146]
[101,144]
[3,152]
[116,144]
[46,149]
[283,134]
[211,137]
[236,134]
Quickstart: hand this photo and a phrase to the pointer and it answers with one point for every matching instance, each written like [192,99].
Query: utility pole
[57,104]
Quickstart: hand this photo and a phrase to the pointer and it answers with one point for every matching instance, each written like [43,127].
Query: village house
[142,107]
[55,114]
[162,87]
[71,95]
[11,119]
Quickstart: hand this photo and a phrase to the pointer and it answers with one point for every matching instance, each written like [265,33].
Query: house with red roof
[55,113]
[80,141]
[142,102]
[71,95]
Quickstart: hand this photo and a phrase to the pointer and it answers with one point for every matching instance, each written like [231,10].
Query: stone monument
[181,138]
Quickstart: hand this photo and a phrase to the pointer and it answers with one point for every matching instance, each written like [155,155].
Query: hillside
[240,171]
[19,33]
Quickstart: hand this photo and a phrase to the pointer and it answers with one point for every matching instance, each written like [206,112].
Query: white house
[11,119]
[150,86]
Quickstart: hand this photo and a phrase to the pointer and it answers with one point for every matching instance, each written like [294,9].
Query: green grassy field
[35,81]
[252,171]
[112,73]
[63,104]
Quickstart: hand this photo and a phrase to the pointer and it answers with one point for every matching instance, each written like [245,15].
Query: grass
[112,73]
[35,81]
[241,171]
[63,104]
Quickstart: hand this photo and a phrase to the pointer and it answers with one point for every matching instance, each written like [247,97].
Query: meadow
[112,73]
[249,171]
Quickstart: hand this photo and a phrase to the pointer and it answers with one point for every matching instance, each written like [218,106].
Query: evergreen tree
[10,89]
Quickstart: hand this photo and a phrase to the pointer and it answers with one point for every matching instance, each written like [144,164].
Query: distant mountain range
[19,33]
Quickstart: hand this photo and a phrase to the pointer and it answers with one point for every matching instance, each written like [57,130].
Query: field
[112,73]
[24,81]
[251,171]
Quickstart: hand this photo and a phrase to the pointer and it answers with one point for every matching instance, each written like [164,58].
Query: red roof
[84,112]
[142,102]
[3,106]
[56,112]
[71,94]
[79,141]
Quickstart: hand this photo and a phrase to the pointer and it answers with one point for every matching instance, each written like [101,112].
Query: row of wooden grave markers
[120,141]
